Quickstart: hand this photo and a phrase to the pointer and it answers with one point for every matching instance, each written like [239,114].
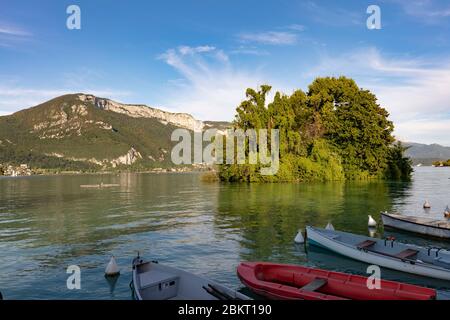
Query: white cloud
[425,131]
[270,37]
[212,87]
[296,27]
[414,91]
[184,50]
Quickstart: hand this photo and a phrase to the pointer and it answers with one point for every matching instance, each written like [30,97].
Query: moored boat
[425,226]
[292,282]
[153,281]
[429,262]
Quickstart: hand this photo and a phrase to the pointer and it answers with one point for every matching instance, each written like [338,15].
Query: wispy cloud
[270,37]
[430,11]
[415,91]
[296,27]
[332,16]
[249,50]
[13,31]
[211,87]
[10,35]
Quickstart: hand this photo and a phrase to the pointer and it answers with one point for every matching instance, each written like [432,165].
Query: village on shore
[24,170]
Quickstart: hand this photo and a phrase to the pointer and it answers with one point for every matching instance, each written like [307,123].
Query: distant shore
[41,172]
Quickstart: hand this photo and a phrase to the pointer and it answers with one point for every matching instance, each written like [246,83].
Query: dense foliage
[335,131]
[18,156]
[442,163]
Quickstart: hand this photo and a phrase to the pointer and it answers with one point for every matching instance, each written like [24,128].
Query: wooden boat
[429,262]
[426,226]
[290,282]
[153,281]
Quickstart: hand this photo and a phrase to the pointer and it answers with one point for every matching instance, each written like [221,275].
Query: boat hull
[315,237]
[400,223]
[287,282]
[153,281]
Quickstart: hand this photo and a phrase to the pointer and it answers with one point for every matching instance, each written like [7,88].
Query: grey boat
[429,262]
[154,281]
[425,226]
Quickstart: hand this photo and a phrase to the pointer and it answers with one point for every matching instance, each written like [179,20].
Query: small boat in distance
[153,281]
[291,282]
[99,186]
[429,262]
[425,226]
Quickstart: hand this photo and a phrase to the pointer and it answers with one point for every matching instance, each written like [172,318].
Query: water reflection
[267,217]
[49,223]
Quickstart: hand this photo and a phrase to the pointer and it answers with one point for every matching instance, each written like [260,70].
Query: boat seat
[366,244]
[314,285]
[406,254]
[155,277]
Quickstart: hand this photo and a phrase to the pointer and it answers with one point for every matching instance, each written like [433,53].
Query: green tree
[399,167]
[335,131]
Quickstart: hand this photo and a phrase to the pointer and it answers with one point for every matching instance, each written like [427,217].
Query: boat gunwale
[419,263]
[395,288]
[389,215]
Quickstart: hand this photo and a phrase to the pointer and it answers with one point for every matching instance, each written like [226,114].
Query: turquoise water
[49,223]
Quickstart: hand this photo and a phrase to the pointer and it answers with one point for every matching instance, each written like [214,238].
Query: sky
[199,56]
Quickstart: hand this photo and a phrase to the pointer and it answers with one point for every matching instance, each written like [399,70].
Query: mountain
[426,154]
[85,132]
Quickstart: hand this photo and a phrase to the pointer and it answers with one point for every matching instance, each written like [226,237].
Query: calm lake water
[49,223]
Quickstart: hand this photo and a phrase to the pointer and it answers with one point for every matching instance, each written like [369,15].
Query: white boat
[153,281]
[425,226]
[429,262]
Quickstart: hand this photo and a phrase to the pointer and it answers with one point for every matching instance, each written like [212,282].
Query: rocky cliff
[182,120]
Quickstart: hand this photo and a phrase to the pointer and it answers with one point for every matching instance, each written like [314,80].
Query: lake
[48,223]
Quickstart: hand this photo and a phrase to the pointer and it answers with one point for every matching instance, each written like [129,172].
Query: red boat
[290,282]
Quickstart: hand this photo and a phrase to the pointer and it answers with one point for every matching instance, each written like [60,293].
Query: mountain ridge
[84,132]
[426,154]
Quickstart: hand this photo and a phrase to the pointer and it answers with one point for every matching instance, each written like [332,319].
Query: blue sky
[200,56]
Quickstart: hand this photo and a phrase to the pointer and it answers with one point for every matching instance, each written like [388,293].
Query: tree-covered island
[334,131]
